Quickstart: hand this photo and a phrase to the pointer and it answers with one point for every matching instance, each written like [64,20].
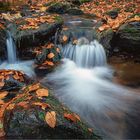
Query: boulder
[127,38]
[37,115]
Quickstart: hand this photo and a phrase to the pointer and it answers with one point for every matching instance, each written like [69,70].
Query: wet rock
[3,37]
[27,40]
[47,59]
[113,13]
[27,119]
[105,38]
[74,11]
[127,38]
[60,8]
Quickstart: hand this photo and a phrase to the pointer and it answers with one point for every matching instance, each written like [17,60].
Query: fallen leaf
[90,130]
[2,84]
[65,38]
[50,55]
[23,104]
[11,107]
[70,117]
[3,94]
[77,117]
[42,92]
[34,87]
[42,105]
[50,119]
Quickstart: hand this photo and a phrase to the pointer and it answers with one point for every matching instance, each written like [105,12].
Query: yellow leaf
[50,119]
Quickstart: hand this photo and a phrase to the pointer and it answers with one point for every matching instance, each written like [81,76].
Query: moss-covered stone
[28,121]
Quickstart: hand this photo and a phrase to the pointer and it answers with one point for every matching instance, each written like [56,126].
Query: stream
[105,93]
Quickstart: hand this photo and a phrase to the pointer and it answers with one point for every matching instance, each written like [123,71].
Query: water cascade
[85,54]
[13,63]
[11,49]
[85,85]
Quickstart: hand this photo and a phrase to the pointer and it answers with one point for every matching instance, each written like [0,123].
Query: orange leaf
[2,84]
[70,117]
[1,102]
[48,63]
[42,92]
[51,119]
[50,55]
[77,117]
[43,105]
[3,94]
[65,38]
[11,106]
[23,104]
[34,87]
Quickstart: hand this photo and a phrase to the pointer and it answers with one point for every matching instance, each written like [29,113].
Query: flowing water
[84,82]
[12,62]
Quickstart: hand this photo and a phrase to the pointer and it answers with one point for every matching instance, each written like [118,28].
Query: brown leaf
[42,92]
[51,119]
[3,94]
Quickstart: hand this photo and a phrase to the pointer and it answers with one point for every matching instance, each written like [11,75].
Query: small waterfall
[13,64]
[11,49]
[85,54]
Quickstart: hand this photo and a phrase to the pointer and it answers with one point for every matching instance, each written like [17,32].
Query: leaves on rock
[50,119]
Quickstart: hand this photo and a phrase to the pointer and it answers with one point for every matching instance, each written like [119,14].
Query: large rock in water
[35,113]
[127,38]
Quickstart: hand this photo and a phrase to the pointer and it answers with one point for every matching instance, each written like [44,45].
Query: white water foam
[91,92]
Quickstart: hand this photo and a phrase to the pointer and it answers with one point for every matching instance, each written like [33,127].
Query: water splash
[11,49]
[85,54]
[91,92]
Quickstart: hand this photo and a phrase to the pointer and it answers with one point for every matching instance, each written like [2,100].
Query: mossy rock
[27,120]
[127,38]
[59,8]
